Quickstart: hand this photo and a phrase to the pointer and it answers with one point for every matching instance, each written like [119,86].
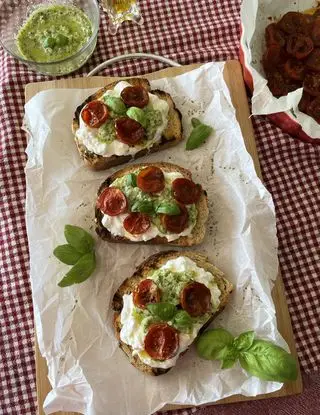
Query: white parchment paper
[87,371]
[256,15]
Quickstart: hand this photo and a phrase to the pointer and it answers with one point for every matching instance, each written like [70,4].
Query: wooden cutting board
[234,80]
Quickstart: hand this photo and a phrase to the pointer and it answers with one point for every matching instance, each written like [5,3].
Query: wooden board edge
[234,80]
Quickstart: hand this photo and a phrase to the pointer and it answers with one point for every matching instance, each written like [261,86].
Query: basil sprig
[79,252]
[260,358]
[198,135]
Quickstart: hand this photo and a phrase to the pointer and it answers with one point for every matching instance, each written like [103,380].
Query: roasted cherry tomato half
[146,292]
[135,96]
[176,223]
[295,22]
[311,84]
[136,223]
[186,191]
[129,131]
[95,113]
[112,201]
[161,341]
[314,109]
[195,299]
[274,36]
[305,101]
[294,69]
[299,46]
[313,61]
[151,180]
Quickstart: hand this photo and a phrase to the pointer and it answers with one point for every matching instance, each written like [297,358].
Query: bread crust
[152,263]
[198,232]
[171,136]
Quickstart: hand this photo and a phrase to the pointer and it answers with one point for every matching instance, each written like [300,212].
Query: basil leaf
[198,135]
[182,321]
[213,344]
[143,206]
[67,254]
[138,115]
[77,237]
[244,341]
[229,356]
[269,362]
[228,362]
[115,104]
[165,311]
[132,180]
[195,122]
[168,208]
[80,271]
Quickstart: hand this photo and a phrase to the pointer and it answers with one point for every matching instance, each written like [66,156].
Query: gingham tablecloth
[187,31]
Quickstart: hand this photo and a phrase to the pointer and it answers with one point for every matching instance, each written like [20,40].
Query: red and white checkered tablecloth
[186,31]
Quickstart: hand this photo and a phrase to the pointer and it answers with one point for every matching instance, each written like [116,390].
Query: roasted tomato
[272,57]
[95,113]
[313,61]
[161,341]
[314,109]
[295,22]
[274,36]
[315,33]
[195,299]
[145,293]
[136,223]
[294,69]
[129,131]
[135,96]
[151,179]
[112,201]
[305,101]
[311,84]
[299,46]
[278,85]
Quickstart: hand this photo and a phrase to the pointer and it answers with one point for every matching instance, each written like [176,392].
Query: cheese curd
[114,224]
[132,332]
[88,136]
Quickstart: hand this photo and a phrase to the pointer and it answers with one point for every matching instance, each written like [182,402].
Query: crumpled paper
[87,370]
[256,15]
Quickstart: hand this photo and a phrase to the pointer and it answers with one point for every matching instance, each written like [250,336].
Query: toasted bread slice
[199,230]
[171,136]
[152,263]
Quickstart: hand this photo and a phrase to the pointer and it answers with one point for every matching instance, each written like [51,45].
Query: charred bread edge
[151,263]
[198,231]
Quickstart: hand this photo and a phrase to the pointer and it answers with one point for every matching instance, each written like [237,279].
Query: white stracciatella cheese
[114,224]
[88,136]
[132,332]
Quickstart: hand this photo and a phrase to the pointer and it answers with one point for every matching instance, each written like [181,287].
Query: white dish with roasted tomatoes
[283,109]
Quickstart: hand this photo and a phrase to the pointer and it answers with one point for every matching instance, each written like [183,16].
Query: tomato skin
[195,299]
[129,131]
[161,341]
[315,33]
[294,69]
[299,46]
[278,85]
[137,223]
[295,22]
[274,36]
[94,114]
[313,61]
[186,191]
[311,84]
[176,223]
[145,293]
[272,57]
[151,180]
[314,109]
[135,96]
[305,102]
[112,201]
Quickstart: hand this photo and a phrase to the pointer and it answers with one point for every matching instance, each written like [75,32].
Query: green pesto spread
[53,33]
[136,197]
[107,133]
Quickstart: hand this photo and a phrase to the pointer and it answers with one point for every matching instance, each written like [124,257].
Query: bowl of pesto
[51,37]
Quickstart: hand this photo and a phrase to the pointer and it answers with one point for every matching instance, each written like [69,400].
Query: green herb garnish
[198,135]
[260,358]
[168,208]
[79,252]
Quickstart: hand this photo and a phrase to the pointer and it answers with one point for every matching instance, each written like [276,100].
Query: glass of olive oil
[120,11]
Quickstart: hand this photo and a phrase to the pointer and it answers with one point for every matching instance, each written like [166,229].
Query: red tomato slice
[195,299]
[314,109]
[311,84]
[146,292]
[112,201]
[295,22]
[186,191]
[151,180]
[313,61]
[136,223]
[305,102]
[135,96]
[176,223]
[299,46]
[274,36]
[294,69]
[95,113]
[161,341]
[129,131]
